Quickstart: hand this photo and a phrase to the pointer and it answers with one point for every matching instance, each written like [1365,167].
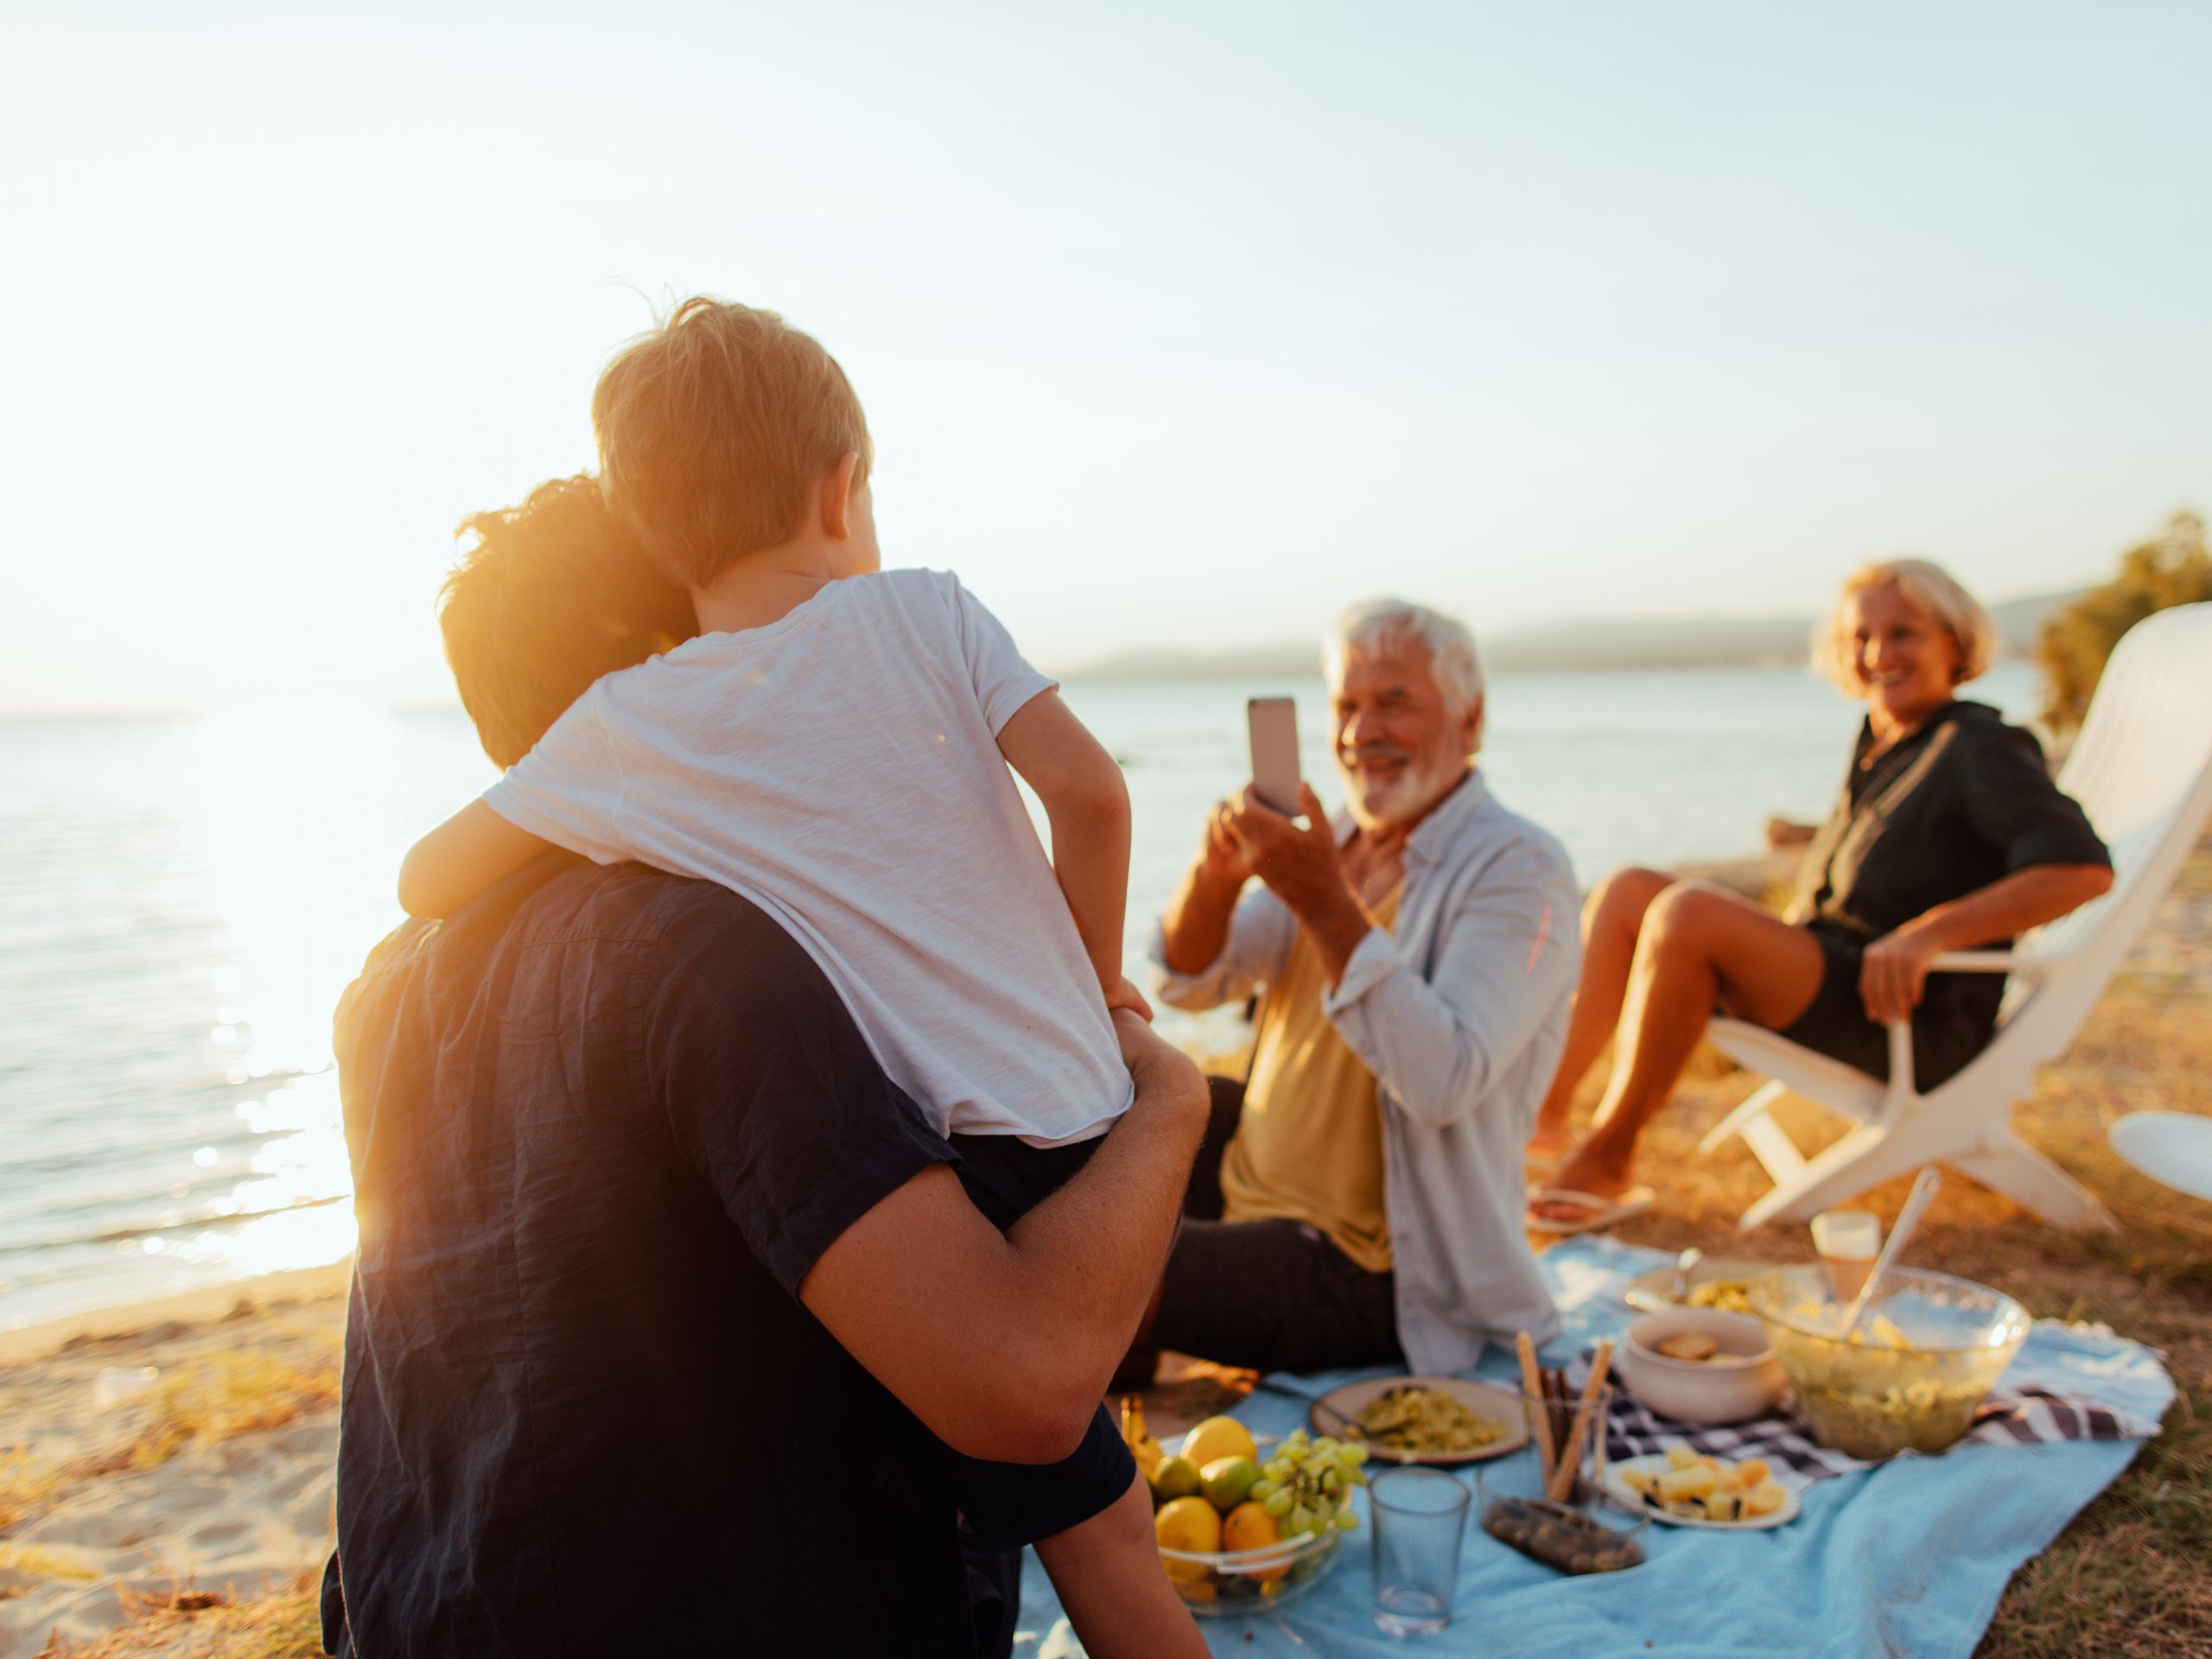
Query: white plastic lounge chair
[2142,769]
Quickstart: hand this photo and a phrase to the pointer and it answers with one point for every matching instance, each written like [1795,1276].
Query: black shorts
[1009,1505]
[1957,1013]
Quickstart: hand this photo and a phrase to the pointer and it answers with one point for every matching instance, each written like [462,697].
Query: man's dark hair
[554,593]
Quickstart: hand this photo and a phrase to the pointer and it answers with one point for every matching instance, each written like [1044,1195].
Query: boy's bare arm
[1107,1571]
[1004,1343]
[473,849]
[1088,805]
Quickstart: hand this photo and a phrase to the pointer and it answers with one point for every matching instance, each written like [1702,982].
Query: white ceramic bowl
[1742,1381]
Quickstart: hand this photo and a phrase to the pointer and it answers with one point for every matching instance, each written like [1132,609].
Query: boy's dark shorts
[1009,1505]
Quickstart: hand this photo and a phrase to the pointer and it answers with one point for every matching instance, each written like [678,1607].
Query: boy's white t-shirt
[840,768]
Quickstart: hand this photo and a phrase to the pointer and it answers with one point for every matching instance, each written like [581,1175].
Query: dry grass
[201,1624]
[28,1486]
[208,1401]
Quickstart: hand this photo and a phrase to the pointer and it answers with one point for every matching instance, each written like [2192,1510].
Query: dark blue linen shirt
[602,1124]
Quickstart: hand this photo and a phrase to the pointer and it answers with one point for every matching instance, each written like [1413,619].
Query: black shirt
[602,1124]
[1961,802]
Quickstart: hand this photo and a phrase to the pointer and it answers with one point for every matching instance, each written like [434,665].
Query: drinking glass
[1419,1517]
[1848,1241]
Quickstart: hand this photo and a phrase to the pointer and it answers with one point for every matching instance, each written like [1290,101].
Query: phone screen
[1273,722]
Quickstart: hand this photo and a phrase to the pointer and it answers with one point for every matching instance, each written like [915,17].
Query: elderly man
[1359,1199]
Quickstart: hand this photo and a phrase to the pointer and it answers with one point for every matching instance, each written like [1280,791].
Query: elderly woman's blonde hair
[1924,583]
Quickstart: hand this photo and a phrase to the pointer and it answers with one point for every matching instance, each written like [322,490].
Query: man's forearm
[1094,1250]
[1195,921]
[1336,922]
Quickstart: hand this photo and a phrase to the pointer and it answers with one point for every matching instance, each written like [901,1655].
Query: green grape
[1325,1447]
[1265,1488]
[1332,1482]
[1346,1520]
[1277,1505]
[1352,1454]
[1301,1520]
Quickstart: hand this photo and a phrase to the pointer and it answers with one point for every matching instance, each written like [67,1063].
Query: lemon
[1188,1523]
[1174,1477]
[1219,1437]
[1227,1481]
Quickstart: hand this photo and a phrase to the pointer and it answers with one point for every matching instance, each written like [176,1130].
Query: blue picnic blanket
[1907,1558]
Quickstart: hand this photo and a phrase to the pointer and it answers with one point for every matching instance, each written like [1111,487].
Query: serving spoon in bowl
[1915,1204]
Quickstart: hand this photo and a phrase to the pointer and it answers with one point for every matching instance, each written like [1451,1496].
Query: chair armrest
[1985,961]
[1900,1092]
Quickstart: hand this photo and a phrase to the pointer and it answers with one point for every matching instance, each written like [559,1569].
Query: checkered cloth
[2023,1417]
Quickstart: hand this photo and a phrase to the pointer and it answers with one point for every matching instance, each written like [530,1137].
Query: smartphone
[1274,752]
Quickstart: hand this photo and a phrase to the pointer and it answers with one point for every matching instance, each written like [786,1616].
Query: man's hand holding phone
[1296,857]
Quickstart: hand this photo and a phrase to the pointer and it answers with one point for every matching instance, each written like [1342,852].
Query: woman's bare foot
[1593,1167]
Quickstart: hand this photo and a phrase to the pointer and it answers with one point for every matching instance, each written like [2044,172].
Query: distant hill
[1584,645]
[2019,621]
[1670,642]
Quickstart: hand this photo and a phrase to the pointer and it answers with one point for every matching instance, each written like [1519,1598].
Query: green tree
[2173,568]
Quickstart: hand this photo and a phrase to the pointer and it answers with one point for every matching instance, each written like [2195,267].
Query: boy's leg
[1111,1581]
[1202,1201]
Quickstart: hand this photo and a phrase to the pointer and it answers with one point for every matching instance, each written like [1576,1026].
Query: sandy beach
[179,1520]
[215,1475]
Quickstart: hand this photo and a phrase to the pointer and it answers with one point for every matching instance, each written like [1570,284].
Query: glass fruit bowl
[1225,1581]
[1922,1361]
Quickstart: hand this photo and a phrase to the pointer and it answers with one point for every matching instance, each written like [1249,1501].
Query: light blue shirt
[1461,1013]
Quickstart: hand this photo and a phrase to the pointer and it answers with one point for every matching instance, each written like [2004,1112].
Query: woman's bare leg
[1611,918]
[1699,947]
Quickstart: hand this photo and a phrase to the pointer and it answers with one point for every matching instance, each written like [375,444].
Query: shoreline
[206,1305]
[1751,874]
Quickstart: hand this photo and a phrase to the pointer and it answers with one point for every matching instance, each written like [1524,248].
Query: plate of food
[1683,1489]
[1724,1285]
[1442,1420]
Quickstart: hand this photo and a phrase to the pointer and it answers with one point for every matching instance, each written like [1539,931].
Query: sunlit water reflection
[182,902]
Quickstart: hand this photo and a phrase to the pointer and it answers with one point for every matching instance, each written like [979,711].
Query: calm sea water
[182,902]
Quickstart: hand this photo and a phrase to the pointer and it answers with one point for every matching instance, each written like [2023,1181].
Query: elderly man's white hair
[1382,623]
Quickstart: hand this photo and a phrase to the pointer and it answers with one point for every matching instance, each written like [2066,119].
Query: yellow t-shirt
[1309,1146]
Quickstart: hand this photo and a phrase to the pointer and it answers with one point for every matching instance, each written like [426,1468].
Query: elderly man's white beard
[1378,803]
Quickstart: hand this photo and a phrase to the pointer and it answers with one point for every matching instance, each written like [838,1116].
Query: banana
[1142,1446]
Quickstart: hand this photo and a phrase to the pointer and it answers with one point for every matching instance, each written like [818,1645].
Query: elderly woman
[1949,835]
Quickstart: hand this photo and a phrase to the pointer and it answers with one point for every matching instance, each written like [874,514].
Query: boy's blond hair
[1924,583]
[713,428]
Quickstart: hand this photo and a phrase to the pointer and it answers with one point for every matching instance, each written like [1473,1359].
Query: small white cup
[1848,1241]
[117,1383]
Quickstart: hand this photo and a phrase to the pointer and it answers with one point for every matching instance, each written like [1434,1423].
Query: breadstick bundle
[1559,1422]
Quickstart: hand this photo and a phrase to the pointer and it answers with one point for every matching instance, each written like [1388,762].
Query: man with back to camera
[1359,1199]
[667,1300]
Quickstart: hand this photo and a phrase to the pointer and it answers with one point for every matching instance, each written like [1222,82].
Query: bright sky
[1173,329]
